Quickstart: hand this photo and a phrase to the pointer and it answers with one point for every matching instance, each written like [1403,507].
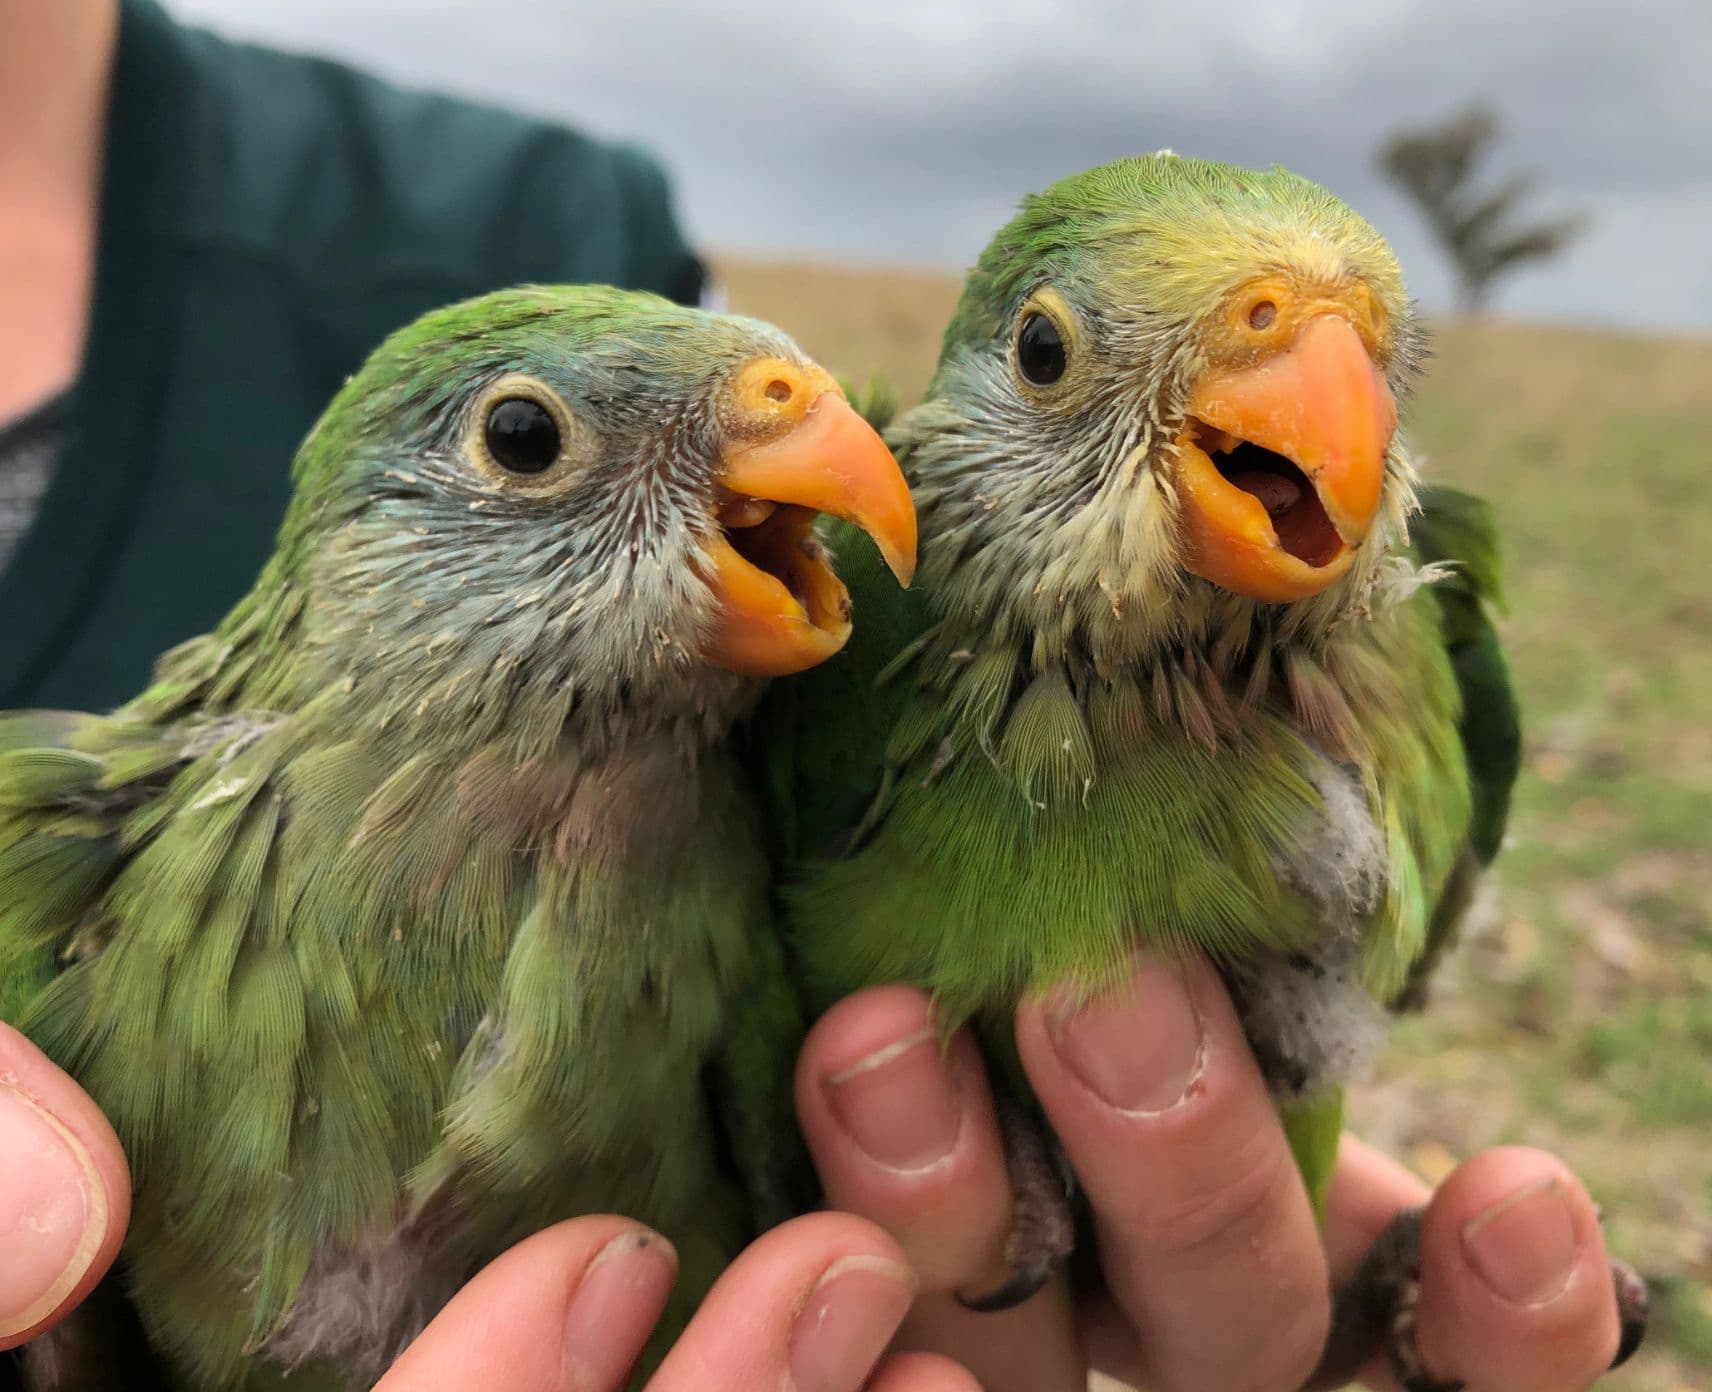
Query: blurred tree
[1436,167]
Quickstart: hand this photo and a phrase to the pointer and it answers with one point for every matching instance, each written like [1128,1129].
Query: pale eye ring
[525,438]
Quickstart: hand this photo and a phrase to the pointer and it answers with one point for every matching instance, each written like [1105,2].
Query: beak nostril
[779,390]
[1261,315]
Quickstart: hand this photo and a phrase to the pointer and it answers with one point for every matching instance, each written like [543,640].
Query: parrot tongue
[1298,517]
[778,539]
[1281,461]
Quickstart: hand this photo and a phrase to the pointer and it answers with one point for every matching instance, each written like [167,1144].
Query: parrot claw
[1022,1283]
[1634,1305]
[1381,1302]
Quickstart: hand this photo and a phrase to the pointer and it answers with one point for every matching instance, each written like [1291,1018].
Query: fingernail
[53,1210]
[1524,1246]
[846,1323]
[897,1103]
[615,1306]
[1138,1047]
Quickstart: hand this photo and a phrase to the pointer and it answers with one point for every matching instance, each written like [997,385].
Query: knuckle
[1270,1348]
[1230,1203]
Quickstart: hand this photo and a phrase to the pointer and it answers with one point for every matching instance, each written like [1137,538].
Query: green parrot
[407,912]
[1175,676]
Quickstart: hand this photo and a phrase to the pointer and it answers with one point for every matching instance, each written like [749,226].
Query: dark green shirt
[266,219]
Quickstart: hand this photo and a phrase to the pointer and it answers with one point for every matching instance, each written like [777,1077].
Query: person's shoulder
[344,176]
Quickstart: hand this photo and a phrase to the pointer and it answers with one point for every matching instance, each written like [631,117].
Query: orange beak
[780,606]
[1281,463]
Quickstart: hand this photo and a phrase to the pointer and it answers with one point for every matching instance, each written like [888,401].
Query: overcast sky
[904,131]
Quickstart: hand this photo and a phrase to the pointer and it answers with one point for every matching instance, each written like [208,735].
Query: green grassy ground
[1578,1015]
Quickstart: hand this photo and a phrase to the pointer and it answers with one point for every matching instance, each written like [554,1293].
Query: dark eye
[522,436]
[1040,351]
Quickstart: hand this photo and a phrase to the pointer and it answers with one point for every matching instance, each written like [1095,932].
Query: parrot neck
[1202,659]
[1066,560]
[277,656]
[1207,691]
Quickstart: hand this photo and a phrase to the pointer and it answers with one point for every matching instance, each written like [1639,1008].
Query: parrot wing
[750,1090]
[338,1052]
[823,759]
[1457,531]
[819,740]
[69,783]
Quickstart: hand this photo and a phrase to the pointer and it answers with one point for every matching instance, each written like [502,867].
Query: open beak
[1280,464]
[780,606]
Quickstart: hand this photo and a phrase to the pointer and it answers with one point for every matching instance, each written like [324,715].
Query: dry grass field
[1579,1014]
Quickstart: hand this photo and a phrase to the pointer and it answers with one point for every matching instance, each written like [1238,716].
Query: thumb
[65,1193]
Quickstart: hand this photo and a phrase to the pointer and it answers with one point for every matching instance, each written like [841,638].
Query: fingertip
[1143,1047]
[922,1372]
[873,1088]
[903,1130]
[858,1027]
[64,1180]
[574,1302]
[1516,1287]
[1151,1087]
[811,1303]
[830,1232]
[901,1125]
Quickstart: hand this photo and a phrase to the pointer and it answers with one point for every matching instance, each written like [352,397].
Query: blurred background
[891,132]
[1547,163]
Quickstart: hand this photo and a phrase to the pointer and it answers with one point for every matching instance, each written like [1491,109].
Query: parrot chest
[1086,829]
[402,1017]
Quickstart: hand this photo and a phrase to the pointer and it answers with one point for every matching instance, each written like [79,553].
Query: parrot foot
[1382,1300]
[1043,1229]
[1634,1306]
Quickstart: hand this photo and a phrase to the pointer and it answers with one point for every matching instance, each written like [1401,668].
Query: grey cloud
[894,131]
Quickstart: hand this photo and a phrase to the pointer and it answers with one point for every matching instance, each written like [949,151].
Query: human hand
[1215,1274]
[65,1192]
[569,1308]
[811,1306]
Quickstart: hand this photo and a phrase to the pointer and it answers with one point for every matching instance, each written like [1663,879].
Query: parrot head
[587,492]
[1169,390]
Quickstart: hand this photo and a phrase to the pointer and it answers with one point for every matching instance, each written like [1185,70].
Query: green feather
[1066,748]
[1457,530]
[1313,1126]
[408,912]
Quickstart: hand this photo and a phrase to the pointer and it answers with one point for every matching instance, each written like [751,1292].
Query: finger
[1207,1240]
[903,1132]
[810,1306]
[65,1191]
[1032,1347]
[1368,1190]
[567,1309]
[922,1372]
[1516,1291]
